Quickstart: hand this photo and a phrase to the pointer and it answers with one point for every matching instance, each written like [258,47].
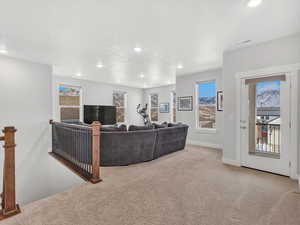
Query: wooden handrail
[9,206]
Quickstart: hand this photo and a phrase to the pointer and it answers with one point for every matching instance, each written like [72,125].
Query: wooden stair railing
[94,172]
[96,126]
[9,206]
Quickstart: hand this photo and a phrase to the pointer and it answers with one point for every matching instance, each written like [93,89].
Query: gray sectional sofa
[120,148]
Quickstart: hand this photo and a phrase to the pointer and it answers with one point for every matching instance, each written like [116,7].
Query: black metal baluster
[270,143]
[275,140]
[279,136]
[87,151]
[75,146]
[90,149]
[82,149]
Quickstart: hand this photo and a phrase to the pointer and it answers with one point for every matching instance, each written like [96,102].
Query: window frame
[173,106]
[69,106]
[124,107]
[150,107]
[197,127]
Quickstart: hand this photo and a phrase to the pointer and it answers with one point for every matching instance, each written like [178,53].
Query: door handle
[243,127]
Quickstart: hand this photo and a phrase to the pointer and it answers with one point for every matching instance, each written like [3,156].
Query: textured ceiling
[74,36]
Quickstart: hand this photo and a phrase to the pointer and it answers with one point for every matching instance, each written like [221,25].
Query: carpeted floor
[190,187]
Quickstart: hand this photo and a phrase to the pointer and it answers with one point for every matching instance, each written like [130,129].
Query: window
[69,104]
[173,106]
[154,107]
[206,104]
[119,100]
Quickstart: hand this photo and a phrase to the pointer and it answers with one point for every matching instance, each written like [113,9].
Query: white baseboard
[203,144]
[294,175]
[231,162]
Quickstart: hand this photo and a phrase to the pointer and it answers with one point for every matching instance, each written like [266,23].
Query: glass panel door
[265,113]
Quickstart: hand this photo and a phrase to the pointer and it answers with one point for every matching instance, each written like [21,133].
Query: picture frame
[164,107]
[220,100]
[185,103]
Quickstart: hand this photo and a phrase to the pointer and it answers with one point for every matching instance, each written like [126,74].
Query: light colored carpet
[190,187]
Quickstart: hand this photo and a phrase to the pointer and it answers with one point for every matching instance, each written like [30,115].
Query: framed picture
[185,103]
[220,100]
[164,107]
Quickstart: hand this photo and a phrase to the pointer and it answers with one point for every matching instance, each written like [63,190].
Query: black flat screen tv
[105,114]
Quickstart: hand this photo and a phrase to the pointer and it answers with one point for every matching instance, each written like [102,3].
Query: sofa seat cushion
[136,128]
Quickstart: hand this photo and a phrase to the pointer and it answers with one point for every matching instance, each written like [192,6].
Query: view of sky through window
[207,92]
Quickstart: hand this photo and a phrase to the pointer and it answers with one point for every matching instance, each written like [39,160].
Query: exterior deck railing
[268,138]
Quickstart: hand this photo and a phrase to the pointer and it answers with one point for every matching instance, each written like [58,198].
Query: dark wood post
[9,206]
[96,126]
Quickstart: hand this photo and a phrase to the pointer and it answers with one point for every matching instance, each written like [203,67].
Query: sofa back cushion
[123,127]
[158,126]
[114,128]
[174,124]
[165,124]
[136,128]
[170,139]
[125,148]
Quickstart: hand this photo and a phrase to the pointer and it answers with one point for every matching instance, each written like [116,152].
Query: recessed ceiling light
[78,74]
[169,82]
[179,66]
[254,3]
[100,65]
[137,49]
[142,75]
[145,85]
[3,51]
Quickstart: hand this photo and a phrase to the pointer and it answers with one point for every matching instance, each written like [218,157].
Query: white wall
[95,93]
[283,51]
[164,96]
[185,86]
[25,99]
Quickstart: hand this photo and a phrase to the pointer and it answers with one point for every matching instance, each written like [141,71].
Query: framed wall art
[185,103]
[220,100]
[164,107]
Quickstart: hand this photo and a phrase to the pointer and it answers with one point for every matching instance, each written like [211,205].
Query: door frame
[292,71]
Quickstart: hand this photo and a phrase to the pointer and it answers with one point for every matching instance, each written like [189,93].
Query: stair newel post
[9,206]
[96,126]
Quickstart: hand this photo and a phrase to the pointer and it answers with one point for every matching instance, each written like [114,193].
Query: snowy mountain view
[268,94]
[207,100]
